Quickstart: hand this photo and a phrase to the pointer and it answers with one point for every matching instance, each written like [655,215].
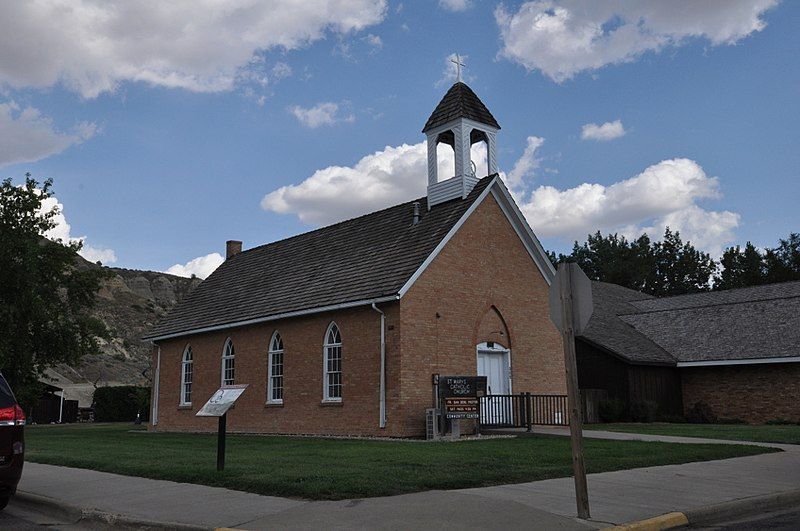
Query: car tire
[4,502]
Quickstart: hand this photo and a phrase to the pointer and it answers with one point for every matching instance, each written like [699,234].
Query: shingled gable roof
[748,325]
[372,258]
[460,102]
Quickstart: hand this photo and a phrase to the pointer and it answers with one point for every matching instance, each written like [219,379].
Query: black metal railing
[523,411]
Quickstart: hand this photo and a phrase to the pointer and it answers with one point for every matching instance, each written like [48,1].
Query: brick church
[339,330]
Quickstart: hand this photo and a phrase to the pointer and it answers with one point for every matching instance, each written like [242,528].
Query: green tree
[45,297]
[782,263]
[667,267]
[740,268]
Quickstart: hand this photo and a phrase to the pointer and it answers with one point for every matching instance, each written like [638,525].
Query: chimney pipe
[232,248]
[416,213]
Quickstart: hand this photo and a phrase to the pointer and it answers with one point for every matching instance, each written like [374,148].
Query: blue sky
[170,130]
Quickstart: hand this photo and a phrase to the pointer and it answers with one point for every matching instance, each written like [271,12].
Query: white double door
[494,362]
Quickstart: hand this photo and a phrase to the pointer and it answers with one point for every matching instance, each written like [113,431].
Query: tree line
[674,267]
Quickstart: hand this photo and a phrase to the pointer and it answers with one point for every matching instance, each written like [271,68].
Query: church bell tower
[460,120]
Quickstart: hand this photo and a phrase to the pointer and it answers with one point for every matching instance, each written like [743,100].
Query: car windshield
[6,396]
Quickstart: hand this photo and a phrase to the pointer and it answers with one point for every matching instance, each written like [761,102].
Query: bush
[611,410]
[644,411]
[701,413]
[121,404]
[672,419]
[722,420]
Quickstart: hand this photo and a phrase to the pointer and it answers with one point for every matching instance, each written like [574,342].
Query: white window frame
[187,362]
[327,348]
[228,353]
[274,351]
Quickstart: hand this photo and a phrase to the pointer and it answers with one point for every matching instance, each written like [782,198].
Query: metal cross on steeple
[458,64]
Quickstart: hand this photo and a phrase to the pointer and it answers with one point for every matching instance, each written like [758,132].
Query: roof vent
[416,213]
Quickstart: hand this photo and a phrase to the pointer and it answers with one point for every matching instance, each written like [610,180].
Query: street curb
[744,506]
[712,514]
[657,523]
[58,509]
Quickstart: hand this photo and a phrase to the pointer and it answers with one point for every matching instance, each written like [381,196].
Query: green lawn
[788,434]
[343,468]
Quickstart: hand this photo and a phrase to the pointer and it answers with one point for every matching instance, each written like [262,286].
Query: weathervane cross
[458,64]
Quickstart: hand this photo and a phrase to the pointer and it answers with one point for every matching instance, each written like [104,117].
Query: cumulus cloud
[664,194]
[604,132]
[381,179]
[325,113]
[27,135]
[564,37]
[455,5]
[63,231]
[199,45]
[201,267]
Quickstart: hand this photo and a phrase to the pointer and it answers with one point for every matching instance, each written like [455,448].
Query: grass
[344,468]
[787,434]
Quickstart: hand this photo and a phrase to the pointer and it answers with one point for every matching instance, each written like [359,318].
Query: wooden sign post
[570,310]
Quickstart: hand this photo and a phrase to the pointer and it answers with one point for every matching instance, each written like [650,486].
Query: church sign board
[460,395]
[221,401]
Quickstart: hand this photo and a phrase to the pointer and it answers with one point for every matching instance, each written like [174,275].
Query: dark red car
[12,443]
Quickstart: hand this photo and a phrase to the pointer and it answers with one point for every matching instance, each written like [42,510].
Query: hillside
[129,303]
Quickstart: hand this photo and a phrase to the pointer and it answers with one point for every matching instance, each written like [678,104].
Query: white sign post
[570,310]
[217,406]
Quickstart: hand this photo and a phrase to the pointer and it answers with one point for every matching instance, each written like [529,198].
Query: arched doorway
[494,362]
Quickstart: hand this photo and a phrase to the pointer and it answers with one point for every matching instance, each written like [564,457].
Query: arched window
[275,369]
[228,363]
[186,377]
[332,365]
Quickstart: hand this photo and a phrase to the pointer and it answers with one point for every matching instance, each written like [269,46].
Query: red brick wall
[302,410]
[483,286]
[753,393]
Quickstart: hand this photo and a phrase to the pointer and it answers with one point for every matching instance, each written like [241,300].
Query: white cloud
[199,45]
[525,165]
[455,5]
[604,132]
[326,113]
[201,267]
[281,70]
[664,194]
[374,41]
[62,231]
[564,37]
[27,135]
[382,179]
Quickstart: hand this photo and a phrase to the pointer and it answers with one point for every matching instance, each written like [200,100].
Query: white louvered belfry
[457,122]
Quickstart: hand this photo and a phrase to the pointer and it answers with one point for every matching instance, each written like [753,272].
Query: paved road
[784,520]
[23,518]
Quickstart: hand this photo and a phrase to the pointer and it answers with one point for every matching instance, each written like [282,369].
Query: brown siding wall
[753,393]
[483,286]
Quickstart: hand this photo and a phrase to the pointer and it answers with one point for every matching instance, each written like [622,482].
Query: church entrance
[494,362]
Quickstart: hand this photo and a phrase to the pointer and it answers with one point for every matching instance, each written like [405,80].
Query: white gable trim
[514,216]
[524,231]
[749,361]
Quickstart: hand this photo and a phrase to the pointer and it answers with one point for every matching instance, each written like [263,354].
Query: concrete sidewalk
[615,497]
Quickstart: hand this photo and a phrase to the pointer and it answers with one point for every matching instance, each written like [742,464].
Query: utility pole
[567,275]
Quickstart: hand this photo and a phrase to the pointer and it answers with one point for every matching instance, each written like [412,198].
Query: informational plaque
[222,400]
[460,395]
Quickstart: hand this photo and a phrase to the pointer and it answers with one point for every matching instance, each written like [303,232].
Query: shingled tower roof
[460,102]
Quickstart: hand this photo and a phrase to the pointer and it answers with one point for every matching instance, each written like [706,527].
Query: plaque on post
[217,406]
